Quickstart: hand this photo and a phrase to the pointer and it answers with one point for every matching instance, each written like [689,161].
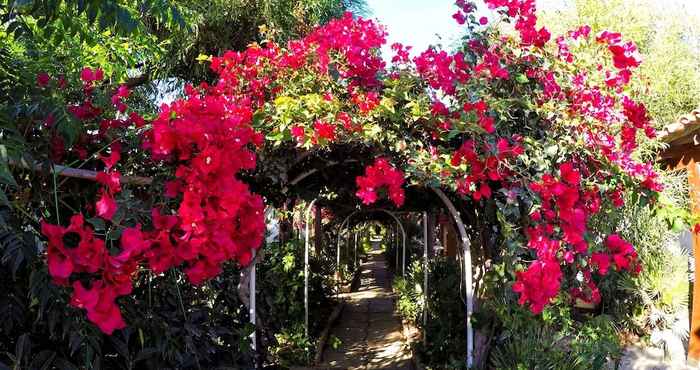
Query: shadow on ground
[369,331]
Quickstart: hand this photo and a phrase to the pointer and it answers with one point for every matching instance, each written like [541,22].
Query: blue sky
[418,22]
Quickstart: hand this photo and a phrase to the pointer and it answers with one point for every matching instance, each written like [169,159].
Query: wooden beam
[681,151]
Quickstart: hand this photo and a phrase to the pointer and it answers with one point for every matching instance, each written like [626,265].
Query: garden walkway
[369,330]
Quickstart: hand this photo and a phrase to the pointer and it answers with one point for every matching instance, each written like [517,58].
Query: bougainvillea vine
[504,121]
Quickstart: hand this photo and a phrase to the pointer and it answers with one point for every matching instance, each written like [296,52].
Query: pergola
[683,153]
[307,175]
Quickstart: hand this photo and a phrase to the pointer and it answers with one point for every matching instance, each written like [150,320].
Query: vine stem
[55,198]
[179,296]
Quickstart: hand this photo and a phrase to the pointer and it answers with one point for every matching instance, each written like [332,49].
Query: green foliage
[409,297]
[281,300]
[537,346]
[71,15]
[220,25]
[668,38]
[172,324]
[445,339]
[657,299]
[293,347]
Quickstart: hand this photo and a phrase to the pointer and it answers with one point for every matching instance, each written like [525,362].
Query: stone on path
[369,330]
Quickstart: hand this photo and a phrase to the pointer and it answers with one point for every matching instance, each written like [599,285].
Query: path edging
[327,331]
[410,331]
[333,318]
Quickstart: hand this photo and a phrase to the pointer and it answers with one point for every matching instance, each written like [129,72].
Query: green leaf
[521,78]
[97,223]
[679,225]
[5,174]
[3,199]
[388,104]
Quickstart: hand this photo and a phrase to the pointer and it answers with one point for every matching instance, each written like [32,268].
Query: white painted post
[395,242]
[403,253]
[425,272]
[251,311]
[306,270]
[467,272]
[355,253]
[337,255]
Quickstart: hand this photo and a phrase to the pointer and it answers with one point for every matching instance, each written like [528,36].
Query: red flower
[106,207]
[601,260]
[99,301]
[623,254]
[539,284]
[42,79]
[569,174]
[324,130]
[377,176]
[298,133]
[696,229]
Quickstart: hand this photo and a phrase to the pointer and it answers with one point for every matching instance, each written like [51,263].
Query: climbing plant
[538,136]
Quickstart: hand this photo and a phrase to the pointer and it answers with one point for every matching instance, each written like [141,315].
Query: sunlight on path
[370,332]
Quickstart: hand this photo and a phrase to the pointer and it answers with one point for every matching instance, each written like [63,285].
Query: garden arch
[447,204]
[476,146]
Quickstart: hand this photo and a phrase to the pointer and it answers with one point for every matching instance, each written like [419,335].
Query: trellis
[467,268]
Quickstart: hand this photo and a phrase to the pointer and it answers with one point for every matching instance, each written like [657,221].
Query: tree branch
[78,173]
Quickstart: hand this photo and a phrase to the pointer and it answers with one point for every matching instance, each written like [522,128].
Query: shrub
[281,300]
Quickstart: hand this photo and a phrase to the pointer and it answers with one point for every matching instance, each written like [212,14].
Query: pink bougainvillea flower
[623,254]
[112,180]
[539,284]
[114,156]
[324,130]
[72,249]
[106,207]
[298,132]
[99,302]
[601,260]
[42,79]
[459,17]
[378,176]
[119,96]
[569,174]
[87,75]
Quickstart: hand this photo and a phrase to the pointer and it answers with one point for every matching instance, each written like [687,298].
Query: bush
[281,300]
[536,346]
[656,301]
[173,325]
[445,342]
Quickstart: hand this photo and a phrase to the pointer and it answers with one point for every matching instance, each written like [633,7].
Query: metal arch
[306,269]
[466,245]
[398,222]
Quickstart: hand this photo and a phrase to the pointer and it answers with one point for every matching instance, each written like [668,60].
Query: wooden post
[694,341]
[318,231]
[425,273]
